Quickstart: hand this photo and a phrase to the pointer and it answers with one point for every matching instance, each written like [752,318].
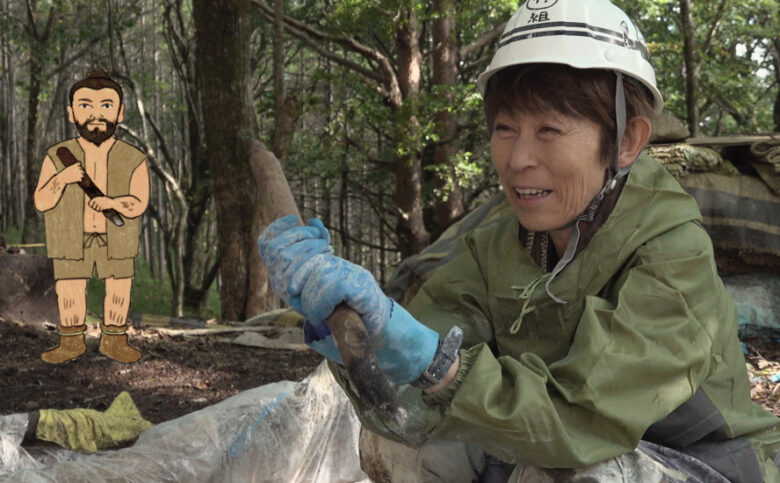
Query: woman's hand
[403,346]
[285,247]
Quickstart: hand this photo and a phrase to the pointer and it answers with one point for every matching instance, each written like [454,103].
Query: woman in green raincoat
[586,334]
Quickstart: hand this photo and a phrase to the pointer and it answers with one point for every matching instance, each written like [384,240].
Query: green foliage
[351,16]
[479,16]
[13,235]
[466,170]
[736,89]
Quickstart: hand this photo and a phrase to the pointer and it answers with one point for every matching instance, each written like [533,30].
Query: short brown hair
[582,93]
[96,79]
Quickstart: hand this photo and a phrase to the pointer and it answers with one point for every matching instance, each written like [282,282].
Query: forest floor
[763,364]
[177,374]
[180,374]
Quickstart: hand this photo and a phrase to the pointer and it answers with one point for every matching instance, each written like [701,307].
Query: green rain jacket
[645,348]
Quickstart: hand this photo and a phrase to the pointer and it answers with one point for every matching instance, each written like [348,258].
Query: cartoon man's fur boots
[70,346]
[113,344]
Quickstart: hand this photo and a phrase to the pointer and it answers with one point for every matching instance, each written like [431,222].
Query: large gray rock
[667,129]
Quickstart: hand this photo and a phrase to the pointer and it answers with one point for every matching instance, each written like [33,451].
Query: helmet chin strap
[616,172]
[620,121]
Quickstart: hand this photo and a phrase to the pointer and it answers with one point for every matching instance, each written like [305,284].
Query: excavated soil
[176,375]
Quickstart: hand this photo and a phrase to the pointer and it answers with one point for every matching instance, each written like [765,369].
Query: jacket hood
[652,202]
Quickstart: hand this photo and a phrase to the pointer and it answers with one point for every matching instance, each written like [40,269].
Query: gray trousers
[453,462]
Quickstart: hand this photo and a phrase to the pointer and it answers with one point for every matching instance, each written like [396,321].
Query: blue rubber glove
[285,247]
[404,347]
[328,280]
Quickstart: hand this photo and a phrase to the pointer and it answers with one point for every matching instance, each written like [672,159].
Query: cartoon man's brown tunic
[79,236]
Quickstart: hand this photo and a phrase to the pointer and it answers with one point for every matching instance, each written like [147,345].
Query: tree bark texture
[776,61]
[413,236]
[10,212]
[38,36]
[691,66]
[198,270]
[222,67]
[285,105]
[198,266]
[445,74]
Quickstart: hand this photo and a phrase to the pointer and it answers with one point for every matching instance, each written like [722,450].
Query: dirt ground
[763,360]
[176,375]
[179,374]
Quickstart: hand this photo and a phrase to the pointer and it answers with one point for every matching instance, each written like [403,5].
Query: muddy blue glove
[285,247]
[403,346]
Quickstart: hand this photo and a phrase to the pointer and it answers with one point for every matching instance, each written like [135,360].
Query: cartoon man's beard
[95,135]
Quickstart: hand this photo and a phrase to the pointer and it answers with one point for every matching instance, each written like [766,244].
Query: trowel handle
[345,324]
[362,365]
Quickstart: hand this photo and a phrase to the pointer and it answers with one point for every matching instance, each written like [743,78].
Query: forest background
[370,105]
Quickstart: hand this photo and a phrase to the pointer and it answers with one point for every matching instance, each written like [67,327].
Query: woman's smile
[531,195]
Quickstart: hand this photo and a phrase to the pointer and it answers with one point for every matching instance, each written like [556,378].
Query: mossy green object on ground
[88,430]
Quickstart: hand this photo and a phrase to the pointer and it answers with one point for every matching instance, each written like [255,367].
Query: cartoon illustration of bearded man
[93,190]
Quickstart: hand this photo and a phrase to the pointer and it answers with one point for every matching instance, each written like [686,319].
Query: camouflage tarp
[680,159]
[766,162]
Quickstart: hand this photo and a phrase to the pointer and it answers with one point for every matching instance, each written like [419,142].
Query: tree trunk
[196,260]
[32,231]
[445,74]
[154,237]
[196,257]
[285,105]
[776,108]
[344,210]
[413,236]
[7,211]
[222,68]
[691,66]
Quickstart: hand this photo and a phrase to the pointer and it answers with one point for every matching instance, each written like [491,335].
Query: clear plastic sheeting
[285,432]
[12,456]
[13,427]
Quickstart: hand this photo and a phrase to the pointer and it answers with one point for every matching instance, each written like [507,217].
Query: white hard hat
[585,34]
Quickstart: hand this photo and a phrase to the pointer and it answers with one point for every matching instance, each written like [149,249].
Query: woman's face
[549,166]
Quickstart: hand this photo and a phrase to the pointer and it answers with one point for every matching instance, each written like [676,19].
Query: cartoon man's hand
[101,203]
[72,174]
